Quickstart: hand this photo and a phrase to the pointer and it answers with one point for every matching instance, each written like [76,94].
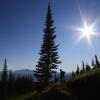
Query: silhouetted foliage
[11,84]
[85,86]
[23,84]
[73,73]
[4,81]
[78,70]
[93,64]
[83,67]
[87,67]
[97,61]
[48,53]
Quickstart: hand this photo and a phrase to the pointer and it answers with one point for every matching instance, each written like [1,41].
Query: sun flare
[87,31]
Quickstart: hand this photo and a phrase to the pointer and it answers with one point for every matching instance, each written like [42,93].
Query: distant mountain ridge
[25,72]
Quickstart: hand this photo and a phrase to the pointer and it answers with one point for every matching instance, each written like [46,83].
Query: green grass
[86,75]
[85,86]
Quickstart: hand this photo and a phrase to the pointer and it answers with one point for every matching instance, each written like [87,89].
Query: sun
[87,31]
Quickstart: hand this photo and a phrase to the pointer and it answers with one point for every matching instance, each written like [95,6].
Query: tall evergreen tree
[78,70]
[5,80]
[93,64]
[97,61]
[48,54]
[83,66]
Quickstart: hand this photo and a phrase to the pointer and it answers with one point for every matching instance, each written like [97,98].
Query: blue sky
[21,30]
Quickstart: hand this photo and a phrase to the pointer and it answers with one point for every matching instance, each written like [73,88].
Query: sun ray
[88,30]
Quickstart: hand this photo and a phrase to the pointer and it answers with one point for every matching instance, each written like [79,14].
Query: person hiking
[62,75]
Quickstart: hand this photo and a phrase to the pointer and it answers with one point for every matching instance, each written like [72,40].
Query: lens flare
[88,29]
